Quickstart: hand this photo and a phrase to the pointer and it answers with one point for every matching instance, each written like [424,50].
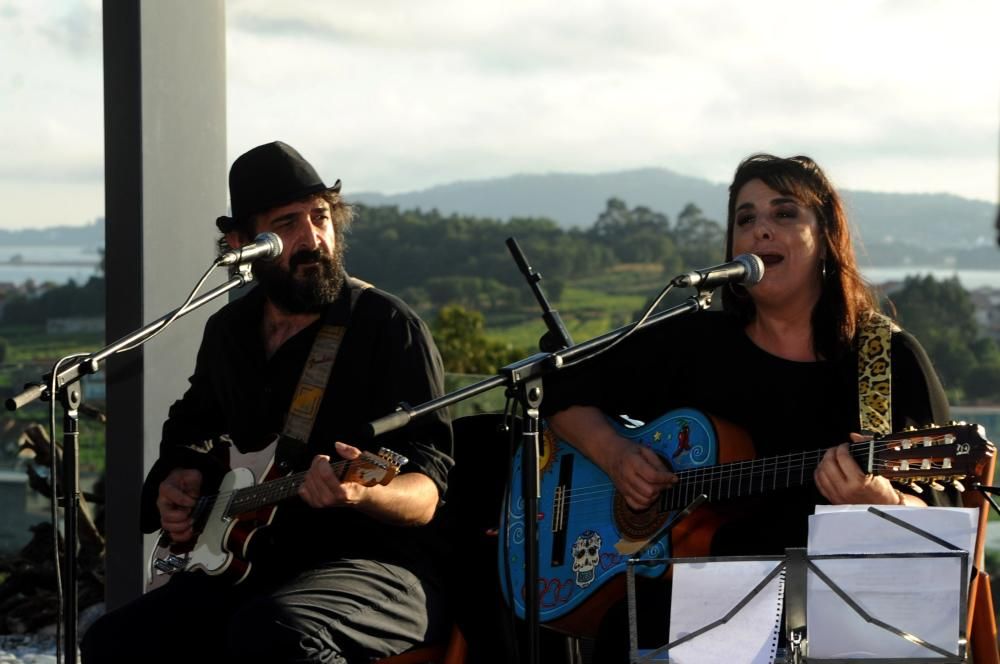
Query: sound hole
[637,525]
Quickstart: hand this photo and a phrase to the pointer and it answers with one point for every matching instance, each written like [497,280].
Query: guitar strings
[758,470]
[273,486]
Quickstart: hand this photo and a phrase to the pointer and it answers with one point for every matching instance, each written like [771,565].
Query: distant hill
[925,222]
[936,221]
[89,236]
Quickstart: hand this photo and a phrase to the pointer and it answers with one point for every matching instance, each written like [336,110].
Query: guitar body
[221,543]
[587,534]
[225,523]
[581,573]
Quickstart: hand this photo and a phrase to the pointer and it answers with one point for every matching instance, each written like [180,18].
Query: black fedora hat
[267,176]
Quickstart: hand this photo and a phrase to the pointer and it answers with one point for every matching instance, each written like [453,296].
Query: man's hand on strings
[179,492]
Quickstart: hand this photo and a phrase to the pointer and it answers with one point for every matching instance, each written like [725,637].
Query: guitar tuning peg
[937,487]
[916,488]
[910,428]
[958,485]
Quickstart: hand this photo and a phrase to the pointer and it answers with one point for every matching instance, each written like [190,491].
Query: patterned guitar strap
[875,373]
[316,373]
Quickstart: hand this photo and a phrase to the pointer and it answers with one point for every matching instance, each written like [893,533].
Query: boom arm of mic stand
[92,363]
[557,336]
[524,377]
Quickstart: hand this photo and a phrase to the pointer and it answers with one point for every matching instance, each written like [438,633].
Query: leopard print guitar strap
[875,373]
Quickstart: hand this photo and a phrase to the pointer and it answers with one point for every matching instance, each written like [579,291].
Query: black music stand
[796,565]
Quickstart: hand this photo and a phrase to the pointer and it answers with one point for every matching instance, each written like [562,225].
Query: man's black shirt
[386,357]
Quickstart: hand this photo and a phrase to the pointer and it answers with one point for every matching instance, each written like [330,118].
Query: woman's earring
[822,268]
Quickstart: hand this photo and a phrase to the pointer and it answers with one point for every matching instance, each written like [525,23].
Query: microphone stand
[69,395]
[523,379]
[557,336]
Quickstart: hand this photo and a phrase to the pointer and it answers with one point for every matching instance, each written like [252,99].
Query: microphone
[745,269]
[265,247]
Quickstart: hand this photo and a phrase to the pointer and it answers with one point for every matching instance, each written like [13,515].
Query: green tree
[3,350]
[639,235]
[940,315]
[61,301]
[983,383]
[461,337]
[700,241]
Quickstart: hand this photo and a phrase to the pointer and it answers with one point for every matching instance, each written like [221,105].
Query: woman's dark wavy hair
[844,296]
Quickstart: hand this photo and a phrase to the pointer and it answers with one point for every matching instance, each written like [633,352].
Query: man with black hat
[345,571]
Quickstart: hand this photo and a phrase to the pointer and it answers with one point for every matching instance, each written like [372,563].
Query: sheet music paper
[921,596]
[705,592]
[859,531]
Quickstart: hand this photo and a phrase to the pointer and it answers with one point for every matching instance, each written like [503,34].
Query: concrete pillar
[165,182]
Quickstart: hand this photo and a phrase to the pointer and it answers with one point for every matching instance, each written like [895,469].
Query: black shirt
[707,361]
[387,356]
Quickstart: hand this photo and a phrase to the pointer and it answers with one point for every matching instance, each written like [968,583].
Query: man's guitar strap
[875,373]
[316,372]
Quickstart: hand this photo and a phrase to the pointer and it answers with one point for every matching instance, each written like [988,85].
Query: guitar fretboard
[751,477]
[758,476]
[262,495]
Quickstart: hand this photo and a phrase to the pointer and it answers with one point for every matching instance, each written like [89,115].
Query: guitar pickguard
[222,542]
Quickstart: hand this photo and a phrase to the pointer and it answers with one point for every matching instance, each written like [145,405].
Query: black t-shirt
[387,356]
[707,361]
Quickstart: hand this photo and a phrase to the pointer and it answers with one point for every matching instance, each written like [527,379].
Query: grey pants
[349,611]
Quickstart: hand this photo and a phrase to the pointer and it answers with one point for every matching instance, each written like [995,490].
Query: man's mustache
[307,256]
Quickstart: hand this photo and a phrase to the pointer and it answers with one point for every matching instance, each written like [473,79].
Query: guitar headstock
[371,469]
[937,453]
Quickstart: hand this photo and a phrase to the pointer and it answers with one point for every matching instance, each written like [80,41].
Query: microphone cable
[178,312]
[627,333]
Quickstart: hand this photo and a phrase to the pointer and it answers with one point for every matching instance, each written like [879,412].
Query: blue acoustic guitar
[587,533]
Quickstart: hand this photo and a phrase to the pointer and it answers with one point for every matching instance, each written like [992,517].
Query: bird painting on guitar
[587,532]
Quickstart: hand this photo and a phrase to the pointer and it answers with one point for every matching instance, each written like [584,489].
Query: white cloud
[393,95]
[51,111]
[435,91]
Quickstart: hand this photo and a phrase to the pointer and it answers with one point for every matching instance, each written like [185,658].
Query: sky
[395,95]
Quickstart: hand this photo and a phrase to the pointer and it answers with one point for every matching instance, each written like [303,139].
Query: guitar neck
[753,476]
[262,495]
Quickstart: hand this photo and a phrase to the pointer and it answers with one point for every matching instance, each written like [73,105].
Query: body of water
[42,264]
[970,279]
[57,264]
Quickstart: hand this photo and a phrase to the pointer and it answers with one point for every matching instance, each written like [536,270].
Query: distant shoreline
[20,263]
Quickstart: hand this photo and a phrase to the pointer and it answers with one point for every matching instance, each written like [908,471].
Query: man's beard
[317,285]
